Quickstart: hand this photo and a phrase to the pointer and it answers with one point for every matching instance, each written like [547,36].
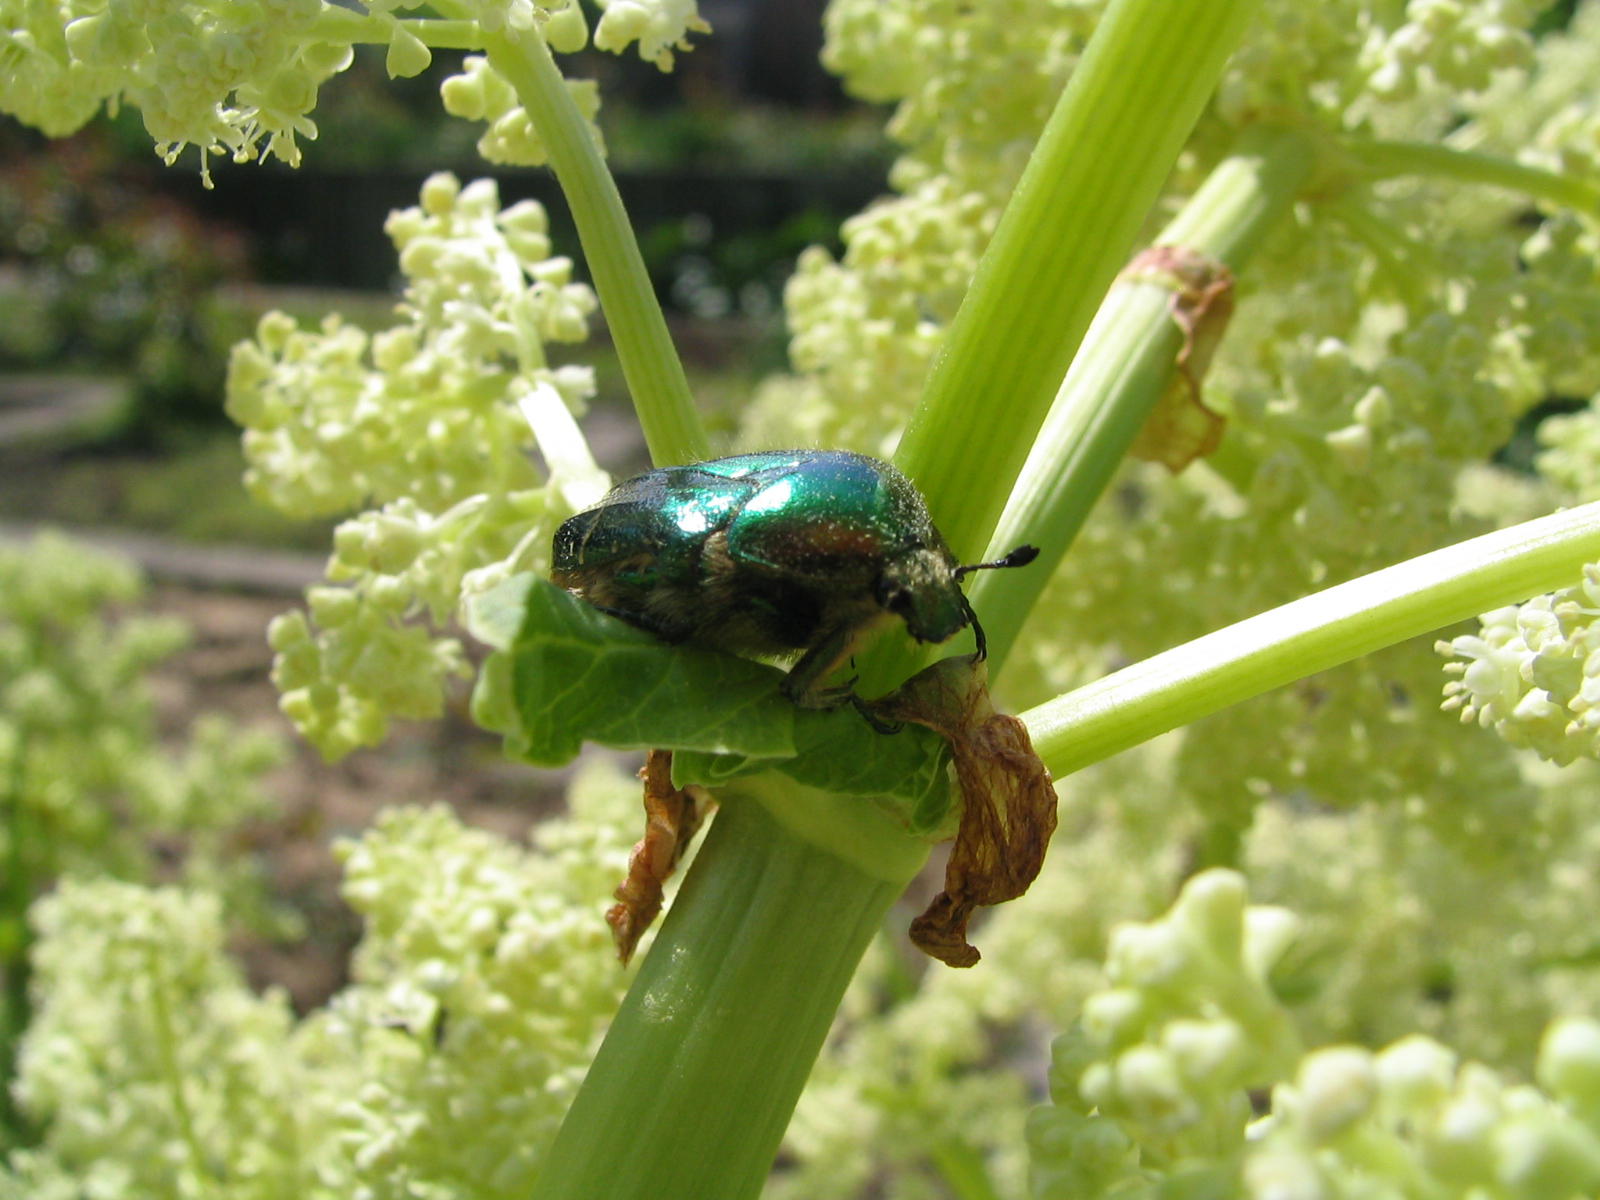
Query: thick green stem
[702,1067]
[1069,228]
[1312,634]
[672,427]
[699,1074]
[1125,365]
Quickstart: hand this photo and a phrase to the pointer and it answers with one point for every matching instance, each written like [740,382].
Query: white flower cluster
[484,981]
[152,1066]
[865,330]
[241,77]
[481,988]
[658,27]
[1532,672]
[1448,43]
[1151,1092]
[1353,1120]
[480,93]
[1476,939]
[1562,265]
[220,75]
[433,422]
[1159,1071]
[1352,62]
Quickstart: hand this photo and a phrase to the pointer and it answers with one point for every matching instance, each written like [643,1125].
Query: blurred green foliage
[97,273]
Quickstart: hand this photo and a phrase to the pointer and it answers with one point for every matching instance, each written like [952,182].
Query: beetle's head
[923,589]
[920,588]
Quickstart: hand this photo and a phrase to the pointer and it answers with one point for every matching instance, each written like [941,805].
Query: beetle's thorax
[919,586]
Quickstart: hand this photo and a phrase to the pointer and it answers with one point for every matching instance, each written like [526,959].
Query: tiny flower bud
[408,54]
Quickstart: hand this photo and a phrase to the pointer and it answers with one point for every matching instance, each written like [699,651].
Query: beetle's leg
[871,718]
[803,684]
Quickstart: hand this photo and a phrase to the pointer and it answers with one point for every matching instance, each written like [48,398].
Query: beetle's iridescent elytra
[774,553]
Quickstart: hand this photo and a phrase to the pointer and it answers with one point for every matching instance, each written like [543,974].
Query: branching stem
[1311,634]
[337,24]
[1070,227]
[672,427]
[1388,160]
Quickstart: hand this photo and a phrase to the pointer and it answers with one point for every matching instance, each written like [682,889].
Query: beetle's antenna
[1020,557]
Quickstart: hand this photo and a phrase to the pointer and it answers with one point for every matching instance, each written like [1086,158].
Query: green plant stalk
[1089,185]
[1125,366]
[672,426]
[697,1079]
[699,1074]
[1312,634]
[1126,363]
[1088,188]
[166,1039]
[1387,160]
[356,28]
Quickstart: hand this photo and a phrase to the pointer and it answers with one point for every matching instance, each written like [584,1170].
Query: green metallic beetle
[771,554]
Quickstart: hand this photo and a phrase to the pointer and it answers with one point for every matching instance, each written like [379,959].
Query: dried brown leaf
[1181,428]
[672,816]
[1008,804]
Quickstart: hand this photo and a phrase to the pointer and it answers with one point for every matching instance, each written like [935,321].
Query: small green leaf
[573,674]
[494,617]
[840,753]
[713,770]
[566,673]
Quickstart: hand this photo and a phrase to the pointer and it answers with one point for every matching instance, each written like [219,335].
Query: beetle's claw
[828,699]
[879,724]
